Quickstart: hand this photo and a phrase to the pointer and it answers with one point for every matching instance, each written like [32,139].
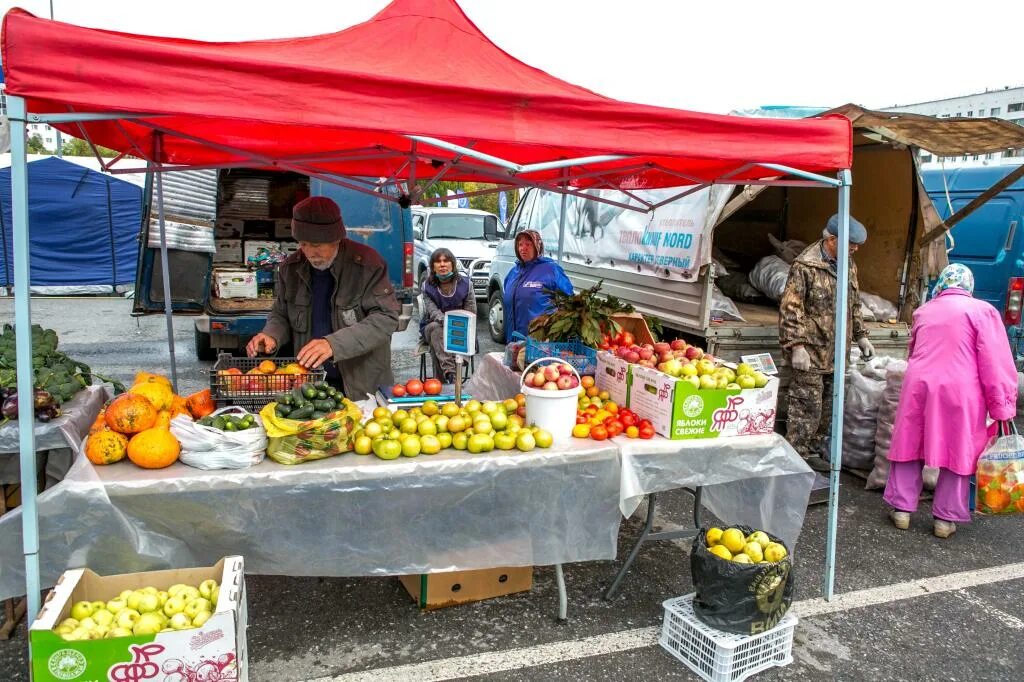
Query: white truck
[470,234]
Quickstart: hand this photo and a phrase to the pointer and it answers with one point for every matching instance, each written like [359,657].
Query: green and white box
[613,375]
[679,410]
[214,651]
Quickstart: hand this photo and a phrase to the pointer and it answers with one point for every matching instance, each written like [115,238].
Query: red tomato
[398,390]
[644,422]
[628,419]
[614,429]
[627,339]
[414,387]
[581,419]
[599,433]
[647,432]
[432,387]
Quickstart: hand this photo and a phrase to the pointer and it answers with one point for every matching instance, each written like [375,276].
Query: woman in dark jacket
[443,290]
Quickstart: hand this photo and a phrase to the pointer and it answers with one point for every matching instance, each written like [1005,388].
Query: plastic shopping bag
[295,442]
[1000,474]
[206,447]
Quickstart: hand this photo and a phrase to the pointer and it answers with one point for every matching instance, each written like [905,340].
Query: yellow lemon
[753,550]
[721,552]
[760,537]
[733,540]
[713,536]
[742,558]
[774,552]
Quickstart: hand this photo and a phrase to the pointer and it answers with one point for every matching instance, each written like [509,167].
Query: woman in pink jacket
[960,371]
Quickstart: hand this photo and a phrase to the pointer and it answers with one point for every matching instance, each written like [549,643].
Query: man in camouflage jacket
[807,335]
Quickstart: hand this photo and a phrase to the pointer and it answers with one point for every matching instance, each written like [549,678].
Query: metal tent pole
[838,379]
[165,270]
[23,324]
[561,221]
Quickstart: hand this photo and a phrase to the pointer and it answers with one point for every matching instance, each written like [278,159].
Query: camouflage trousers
[810,413]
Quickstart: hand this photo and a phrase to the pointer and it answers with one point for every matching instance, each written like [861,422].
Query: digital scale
[460,341]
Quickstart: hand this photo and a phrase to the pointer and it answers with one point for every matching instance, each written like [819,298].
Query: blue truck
[247,209]
[990,241]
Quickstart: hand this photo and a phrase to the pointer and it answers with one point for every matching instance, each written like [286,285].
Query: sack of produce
[228,438]
[860,418]
[743,579]
[722,307]
[769,276]
[890,400]
[881,309]
[1000,474]
[312,421]
[787,250]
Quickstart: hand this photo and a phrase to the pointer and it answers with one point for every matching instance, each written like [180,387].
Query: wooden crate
[438,590]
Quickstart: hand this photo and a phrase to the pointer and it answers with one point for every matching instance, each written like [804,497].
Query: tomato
[627,419]
[581,419]
[599,432]
[647,432]
[604,346]
[432,387]
[627,339]
[398,390]
[632,432]
[414,387]
[614,429]
[644,422]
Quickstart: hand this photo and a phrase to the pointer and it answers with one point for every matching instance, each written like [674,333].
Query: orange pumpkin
[130,413]
[158,393]
[200,404]
[180,406]
[100,424]
[148,377]
[154,448]
[106,447]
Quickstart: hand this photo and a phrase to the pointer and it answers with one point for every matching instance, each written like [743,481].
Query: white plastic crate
[722,656]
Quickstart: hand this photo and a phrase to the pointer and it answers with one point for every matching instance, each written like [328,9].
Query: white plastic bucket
[553,411]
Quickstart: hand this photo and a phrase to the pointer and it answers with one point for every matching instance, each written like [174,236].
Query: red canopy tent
[387,99]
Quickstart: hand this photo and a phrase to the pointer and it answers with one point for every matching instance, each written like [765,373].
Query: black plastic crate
[253,391]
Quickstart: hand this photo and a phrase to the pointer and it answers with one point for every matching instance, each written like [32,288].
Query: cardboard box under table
[438,590]
[215,651]
[679,410]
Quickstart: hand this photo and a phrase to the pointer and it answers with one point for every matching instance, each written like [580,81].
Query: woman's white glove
[801,359]
[866,349]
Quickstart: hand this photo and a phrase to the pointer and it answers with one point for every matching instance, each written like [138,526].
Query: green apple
[102,631]
[504,441]
[176,588]
[181,622]
[124,594]
[134,598]
[175,604]
[77,635]
[197,605]
[746,381]
[82,609]
[207,588]
[460,441]
[64,629]
[88,623]
[445,439]
[744,369]
[411,446]
[760,380]
[69,622]
[102,617]
[97,605]
[115,606]
[147,624]
[188,594]
[121,632]
[544,438]
[126,618]
[162,597]
[149,590]
[201,618]
[525,441]
[148,602]
[430,445]
[707,381]
[214,597]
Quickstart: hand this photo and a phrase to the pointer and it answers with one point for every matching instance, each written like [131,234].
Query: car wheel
[496,317]
[204,351]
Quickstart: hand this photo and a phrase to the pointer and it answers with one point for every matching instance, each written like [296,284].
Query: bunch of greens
[584,316]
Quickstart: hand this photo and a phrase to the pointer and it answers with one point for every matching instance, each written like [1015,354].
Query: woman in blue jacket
[525,298]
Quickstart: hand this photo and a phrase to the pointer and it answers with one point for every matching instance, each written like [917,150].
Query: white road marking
[986,607]
[639,638]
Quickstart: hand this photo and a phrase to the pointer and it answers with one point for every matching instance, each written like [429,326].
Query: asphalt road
[908,606]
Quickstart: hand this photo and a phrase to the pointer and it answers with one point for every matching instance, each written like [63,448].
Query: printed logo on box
[693,406]
[140,668]
[66,664]
[724,416]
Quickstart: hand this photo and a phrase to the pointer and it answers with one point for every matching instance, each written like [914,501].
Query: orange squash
[154,448]
[163,420]
[106,447]
[180,406]
[158,393]
[200,404]
[130,413]
[100,424]
[148,377]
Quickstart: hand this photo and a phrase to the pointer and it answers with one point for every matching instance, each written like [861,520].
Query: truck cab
[247,213]
[470,234]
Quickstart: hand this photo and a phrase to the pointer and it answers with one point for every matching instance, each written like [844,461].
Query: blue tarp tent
[85,226]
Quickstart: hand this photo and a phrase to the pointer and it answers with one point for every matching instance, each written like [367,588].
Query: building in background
[1007,104]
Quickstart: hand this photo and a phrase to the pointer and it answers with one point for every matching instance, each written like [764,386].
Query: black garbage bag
[744,599]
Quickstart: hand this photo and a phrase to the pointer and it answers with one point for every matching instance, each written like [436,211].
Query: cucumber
[321,395]
[304,412]
[323,405]
[282,410]
[283,398]
[308,391]
[320,385]
[297,397]
[318,414]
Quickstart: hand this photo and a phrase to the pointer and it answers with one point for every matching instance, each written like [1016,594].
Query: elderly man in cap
[807,334]
[334,302]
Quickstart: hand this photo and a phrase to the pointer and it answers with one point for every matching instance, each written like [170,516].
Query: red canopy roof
[345,103]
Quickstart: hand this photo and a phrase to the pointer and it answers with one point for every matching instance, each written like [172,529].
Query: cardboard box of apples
[175,625]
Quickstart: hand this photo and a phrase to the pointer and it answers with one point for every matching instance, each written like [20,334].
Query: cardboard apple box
[678,410]
[215,651]
[613,375]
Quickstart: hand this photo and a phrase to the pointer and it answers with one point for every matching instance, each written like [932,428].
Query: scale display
[460,332]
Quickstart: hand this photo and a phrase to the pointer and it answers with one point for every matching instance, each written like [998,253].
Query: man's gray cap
[858,233]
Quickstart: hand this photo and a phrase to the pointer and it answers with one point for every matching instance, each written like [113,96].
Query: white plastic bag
[881,309]
[722,307]
[860,419]
[769,276]
[205,447]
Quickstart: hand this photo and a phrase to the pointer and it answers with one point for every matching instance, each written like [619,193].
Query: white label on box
[613,376]
[650,397]
[762,362]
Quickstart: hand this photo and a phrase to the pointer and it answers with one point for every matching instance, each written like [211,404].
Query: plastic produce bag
[881,309]
[737,286]
[722,307]
[769,276]
[787,250]
[860,419]
[294,442]
[206,447]
[1000,474]
[745,599]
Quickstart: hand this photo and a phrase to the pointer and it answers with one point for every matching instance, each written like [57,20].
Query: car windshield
[457,226]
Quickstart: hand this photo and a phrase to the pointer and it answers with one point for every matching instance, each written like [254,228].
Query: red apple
[662,347]
[694,353]
[539,380]
[565,382]
[666,355]
[528,379]
[678,344]
[632,356]
[551,373]
[550,386]
[646,353]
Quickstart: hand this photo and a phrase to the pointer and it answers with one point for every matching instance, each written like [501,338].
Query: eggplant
[10,407]
[42,399]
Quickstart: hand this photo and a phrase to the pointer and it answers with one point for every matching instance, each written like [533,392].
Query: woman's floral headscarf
[954,276]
